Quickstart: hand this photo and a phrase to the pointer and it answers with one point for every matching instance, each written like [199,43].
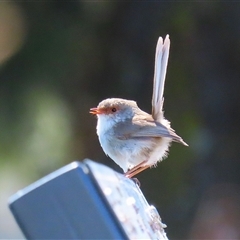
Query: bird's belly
[128,153]
[125,153]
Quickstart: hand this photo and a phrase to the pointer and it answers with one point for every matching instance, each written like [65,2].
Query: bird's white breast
[110,143]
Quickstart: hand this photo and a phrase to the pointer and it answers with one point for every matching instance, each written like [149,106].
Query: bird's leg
[134,168]
[140,169]
[137,169]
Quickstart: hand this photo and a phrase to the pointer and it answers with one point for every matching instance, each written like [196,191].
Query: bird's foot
[136,181]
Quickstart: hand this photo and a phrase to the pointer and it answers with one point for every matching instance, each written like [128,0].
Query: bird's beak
[95,111]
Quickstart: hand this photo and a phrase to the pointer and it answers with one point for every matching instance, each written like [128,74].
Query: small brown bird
[134,139]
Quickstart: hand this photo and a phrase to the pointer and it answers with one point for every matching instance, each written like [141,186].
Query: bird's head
[115,109]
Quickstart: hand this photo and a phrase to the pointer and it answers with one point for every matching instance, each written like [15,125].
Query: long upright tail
[161,61]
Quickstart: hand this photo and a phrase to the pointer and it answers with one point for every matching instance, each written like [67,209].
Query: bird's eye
[114,109]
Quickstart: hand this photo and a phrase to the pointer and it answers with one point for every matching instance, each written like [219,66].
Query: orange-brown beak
[96,111]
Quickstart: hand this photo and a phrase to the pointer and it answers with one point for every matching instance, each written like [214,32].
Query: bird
[131,137]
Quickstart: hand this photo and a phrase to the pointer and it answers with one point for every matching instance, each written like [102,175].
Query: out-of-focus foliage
[58,59]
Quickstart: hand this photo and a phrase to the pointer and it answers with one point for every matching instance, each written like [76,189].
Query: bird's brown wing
[144,128]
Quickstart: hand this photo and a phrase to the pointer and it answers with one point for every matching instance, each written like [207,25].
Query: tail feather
[161,61]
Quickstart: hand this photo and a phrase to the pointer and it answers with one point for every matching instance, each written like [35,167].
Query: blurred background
[58,59]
